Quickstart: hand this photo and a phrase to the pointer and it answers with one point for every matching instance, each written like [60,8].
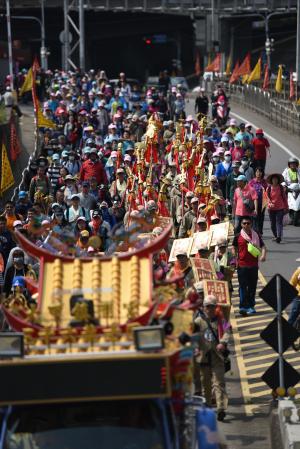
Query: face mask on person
[244,163]
[227,158]
[215,159]
[71,158]
[18,261]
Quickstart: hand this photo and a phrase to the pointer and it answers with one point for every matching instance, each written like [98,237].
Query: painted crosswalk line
[253,354]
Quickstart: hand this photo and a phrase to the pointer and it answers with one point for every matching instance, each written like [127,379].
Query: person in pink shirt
[245,202]
[277,204]
[237,152]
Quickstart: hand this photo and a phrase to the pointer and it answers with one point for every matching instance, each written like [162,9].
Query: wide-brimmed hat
[273,175]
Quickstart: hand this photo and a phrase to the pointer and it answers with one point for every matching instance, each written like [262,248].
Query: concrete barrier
[285,425]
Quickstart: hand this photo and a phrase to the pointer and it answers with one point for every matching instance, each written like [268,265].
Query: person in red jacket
[260,144]
[93,168]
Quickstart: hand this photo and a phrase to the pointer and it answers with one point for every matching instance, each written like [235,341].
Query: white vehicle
[294,202]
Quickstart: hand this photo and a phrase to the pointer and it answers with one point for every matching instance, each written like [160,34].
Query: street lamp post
[44,62]
[9,41]
[43,48]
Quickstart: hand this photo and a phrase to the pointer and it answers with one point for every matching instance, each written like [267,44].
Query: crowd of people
[120,162]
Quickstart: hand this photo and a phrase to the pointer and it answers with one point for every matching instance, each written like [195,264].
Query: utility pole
[9,41]
[212,24]
[81,36]
[43,46]
[66,44]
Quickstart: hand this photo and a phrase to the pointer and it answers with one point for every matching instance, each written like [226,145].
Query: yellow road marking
[241,366]
[263,357]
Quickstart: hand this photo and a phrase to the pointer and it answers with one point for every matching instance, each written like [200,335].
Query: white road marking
[283,147]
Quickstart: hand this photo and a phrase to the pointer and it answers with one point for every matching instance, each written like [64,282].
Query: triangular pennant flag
[292,86]
[15,146]
[36,65]
[278,85]
[266,83]
[42,121]
[245,79]
[27,85]
[256,72]
[228,65]
[234,77]
[245,67]
[7,178]
[215,66]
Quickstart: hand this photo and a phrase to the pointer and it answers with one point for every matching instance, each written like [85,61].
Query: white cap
[210,300]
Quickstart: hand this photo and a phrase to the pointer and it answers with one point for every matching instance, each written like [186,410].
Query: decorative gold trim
[89,399]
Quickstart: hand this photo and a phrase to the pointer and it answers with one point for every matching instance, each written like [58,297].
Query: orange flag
[197,64]
[234,75]
[245,67]
[266,83]
[215,66]
[292,86]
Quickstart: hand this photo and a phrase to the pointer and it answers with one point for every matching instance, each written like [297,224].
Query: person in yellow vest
[295,310]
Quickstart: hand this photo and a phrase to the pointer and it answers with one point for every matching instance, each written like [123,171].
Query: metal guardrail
[183,7]
[281,112]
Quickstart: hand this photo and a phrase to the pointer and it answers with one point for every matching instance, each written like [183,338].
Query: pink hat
[114,154]
[127,158]
[215,154]
[189,118]
[112,126]
[232,121]
[227,153]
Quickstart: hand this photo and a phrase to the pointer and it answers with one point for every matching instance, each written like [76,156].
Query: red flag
[36,65]
[33,90]
[197,64]
[266,83]
[215,66]
[292,86]
[245,67]
[234,75]
[15,146]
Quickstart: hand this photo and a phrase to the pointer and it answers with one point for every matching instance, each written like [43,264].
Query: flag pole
[36,131]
